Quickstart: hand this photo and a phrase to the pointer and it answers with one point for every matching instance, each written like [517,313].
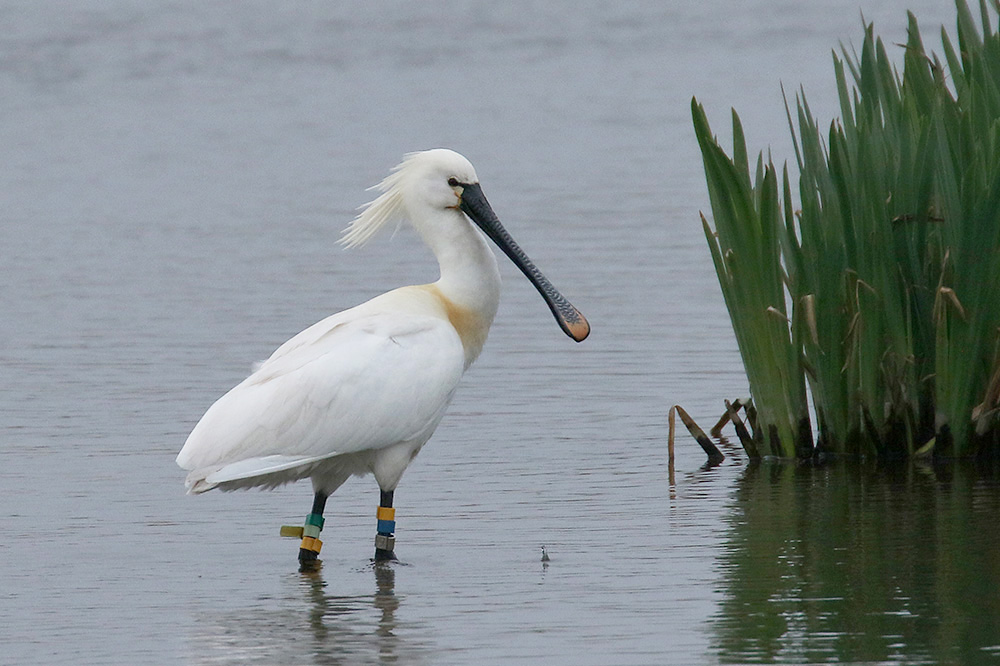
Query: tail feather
[267,471]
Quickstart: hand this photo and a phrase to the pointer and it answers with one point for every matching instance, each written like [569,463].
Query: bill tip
[578,329]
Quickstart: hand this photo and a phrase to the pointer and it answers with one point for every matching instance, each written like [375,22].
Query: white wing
[345,385]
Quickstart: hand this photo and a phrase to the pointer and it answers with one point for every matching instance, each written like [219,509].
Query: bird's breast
[471,325]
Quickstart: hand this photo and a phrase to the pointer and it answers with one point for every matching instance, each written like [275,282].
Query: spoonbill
[361,391]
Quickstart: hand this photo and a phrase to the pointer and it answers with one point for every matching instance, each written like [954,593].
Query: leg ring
[385,542]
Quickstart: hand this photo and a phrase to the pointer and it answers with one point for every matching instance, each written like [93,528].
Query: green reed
[881,291]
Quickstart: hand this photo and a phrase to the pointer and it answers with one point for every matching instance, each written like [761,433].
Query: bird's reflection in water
[312,626]
[325,608]
[385,597]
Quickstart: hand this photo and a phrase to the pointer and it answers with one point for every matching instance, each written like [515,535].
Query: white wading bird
[362,391]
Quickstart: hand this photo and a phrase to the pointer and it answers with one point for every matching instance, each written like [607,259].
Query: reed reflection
[862,564]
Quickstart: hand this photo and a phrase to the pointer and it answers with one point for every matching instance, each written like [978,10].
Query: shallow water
[175,178]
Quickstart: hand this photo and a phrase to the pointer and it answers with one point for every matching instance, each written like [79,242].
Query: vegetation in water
[879,293]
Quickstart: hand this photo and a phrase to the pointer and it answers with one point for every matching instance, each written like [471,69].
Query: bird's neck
[469,282]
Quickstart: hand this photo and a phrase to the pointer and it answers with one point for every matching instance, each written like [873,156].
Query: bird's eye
[453,182]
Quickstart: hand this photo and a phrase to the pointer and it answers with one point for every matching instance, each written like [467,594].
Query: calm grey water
[174,178]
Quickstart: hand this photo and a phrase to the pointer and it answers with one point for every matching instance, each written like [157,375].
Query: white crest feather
[386,207]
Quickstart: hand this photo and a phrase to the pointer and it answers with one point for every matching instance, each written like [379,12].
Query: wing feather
[360,384]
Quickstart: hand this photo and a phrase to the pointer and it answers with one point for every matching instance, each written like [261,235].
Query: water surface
[175,176]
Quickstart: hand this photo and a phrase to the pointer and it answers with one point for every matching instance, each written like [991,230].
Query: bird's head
[425,185]
[427,181]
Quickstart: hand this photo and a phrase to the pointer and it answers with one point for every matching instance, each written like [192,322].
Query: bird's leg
[309,549]
[385,541]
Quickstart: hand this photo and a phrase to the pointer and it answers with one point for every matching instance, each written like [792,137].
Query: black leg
[309,550]
[385,540]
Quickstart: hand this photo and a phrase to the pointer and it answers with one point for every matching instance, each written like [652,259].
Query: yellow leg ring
[386,513]
[311,543]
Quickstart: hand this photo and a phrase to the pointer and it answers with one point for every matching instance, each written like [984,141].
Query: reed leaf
[745,247]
